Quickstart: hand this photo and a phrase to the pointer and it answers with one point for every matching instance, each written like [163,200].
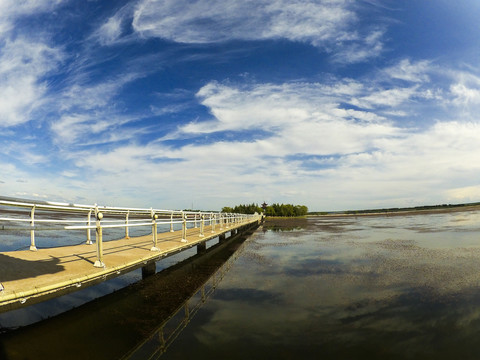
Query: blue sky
[334,104]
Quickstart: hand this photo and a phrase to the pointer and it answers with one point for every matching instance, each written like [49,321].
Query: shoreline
[290,223]
[405,212]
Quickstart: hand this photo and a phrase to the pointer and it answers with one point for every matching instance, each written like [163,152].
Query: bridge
[41,272]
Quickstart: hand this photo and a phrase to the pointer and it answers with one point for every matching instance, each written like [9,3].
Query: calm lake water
[383,287]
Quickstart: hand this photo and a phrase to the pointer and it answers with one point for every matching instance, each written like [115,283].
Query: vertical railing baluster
[127,236]
[171,222]
[32,231]
[99,239]
[89,236]
[154,231]
[184,227]
[202,224]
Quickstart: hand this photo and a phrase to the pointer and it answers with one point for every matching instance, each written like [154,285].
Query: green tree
[271,210]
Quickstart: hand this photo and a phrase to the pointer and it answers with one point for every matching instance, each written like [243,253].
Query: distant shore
[407,211]
[289,223]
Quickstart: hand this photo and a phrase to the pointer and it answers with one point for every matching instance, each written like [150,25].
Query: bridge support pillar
[221,238]
[201,248]
[148,270]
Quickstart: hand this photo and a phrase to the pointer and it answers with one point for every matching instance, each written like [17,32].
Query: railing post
[32,231]
[221,221]
[195,221]
[213,220]
[171,222]
[184,227]
[154,231]
[202,224]
[99,263]
[89,236]
[126,225]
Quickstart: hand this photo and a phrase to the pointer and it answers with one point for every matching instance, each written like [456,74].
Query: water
[386,287]
[398,287]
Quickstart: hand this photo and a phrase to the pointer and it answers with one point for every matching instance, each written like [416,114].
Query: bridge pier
[149,269]
[221,238]
[202,247]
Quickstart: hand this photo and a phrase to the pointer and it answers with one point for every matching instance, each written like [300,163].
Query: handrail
[119,218]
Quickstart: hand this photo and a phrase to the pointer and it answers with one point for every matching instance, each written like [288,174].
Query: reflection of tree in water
[285,224]
[277,228]
[12,268]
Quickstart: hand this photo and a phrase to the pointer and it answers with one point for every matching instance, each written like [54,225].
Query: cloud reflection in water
[358,292]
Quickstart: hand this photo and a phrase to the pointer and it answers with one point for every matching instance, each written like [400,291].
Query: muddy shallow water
[387,287]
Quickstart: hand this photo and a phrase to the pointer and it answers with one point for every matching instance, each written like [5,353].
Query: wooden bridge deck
[32,276]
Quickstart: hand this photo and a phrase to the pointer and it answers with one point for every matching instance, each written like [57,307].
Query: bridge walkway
[35,276]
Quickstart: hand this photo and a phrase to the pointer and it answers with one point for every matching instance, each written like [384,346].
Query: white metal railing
[110,217]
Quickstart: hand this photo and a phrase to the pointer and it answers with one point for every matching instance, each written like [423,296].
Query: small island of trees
[287,210]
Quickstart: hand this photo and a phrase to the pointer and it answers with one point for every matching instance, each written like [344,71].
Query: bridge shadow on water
[12,268]
[115,325]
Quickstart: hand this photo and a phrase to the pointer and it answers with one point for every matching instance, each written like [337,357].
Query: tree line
[270,210]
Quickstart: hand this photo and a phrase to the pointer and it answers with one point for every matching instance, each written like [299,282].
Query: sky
[174,104]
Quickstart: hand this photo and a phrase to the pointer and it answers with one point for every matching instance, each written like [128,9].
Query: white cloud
[329,24]
[464,194]
[88,113]
[465,95]
[99,94]
[360,48]
[390,98]
[24,60]
[113,28]
[408,71]
[23,63]
[310,109]
[212,21]
[10,10]
[88,129]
